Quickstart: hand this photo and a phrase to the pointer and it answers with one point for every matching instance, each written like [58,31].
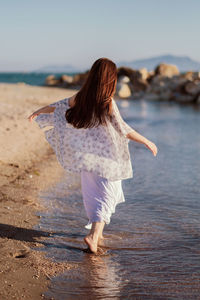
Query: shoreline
[26,165]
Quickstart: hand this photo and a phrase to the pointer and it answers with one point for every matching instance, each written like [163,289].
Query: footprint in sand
[21,253]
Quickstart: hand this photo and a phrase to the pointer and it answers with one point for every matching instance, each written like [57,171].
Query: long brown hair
[93,102]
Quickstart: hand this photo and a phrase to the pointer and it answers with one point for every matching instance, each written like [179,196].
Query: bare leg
[93,237]
[101,233]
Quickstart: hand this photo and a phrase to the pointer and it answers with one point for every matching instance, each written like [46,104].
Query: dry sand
[26,164]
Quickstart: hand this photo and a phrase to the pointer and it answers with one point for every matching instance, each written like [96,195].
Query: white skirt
[100,197]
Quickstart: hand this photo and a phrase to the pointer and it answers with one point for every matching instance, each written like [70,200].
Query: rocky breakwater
[67,81]
[164,83]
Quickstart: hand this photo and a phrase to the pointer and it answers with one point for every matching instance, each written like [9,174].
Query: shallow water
[151,246]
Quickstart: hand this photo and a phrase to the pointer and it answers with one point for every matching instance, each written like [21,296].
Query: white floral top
[102,149]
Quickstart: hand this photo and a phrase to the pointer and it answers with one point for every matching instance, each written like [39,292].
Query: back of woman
[91,137]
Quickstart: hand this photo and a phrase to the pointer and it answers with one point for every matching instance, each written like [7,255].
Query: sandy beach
[26,164]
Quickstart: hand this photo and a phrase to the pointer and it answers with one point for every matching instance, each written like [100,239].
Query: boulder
[123,79]
[177,82]
[192,87]
[166,96]
[138,95]
[190,75]
[66,79]
[125,71]
[182,98]
[151,96]
[135,76]
[143,73]
[197,100]
[166,70]
[123,90]
[79,79]
[139,85]
[159,84]
[51,80]
[151,75]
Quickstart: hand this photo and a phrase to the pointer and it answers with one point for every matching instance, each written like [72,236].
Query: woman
[89,136]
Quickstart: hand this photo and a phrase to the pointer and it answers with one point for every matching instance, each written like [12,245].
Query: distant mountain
[58,69]
[184,63]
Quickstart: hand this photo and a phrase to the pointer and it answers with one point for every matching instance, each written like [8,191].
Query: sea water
[152,245]
[31,78]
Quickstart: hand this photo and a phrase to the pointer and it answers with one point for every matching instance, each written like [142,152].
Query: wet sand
[27,165]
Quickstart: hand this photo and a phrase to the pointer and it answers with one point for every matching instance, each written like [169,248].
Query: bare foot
[91,242]
[101,237]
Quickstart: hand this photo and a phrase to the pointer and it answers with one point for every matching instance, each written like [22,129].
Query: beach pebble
[7,207]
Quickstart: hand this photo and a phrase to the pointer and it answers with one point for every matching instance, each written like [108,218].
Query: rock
[51,80]
[80,78]
[177,82]
[124,79]
[164,83]
[166,96]
[190,75]
[66,79]
[192,88]
[166,70]
[151,96]
[138,95]
[139,85]
[123,90]
[21,83]
[125,71]
[144,73]
[151,75]
[182,98]
[136,78]
[197,100]
[50,77]
[159,84]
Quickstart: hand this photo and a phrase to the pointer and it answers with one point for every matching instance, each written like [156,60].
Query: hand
[44,110]
[151,146]
[35,114]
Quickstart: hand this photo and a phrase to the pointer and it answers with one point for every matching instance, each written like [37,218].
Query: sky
[39,33]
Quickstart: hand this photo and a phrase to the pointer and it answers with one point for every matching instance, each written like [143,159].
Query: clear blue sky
[45,32]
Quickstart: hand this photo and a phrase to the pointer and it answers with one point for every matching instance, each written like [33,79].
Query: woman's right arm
[44,110]
[135,136]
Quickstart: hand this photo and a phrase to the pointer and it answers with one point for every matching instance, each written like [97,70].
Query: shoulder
[114,105]
[71,100]
[59,104]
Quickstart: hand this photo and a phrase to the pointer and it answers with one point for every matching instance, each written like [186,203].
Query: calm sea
[152,245]
[29,78]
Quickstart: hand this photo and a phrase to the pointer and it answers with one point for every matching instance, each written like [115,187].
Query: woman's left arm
[129,132]
[135,136]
